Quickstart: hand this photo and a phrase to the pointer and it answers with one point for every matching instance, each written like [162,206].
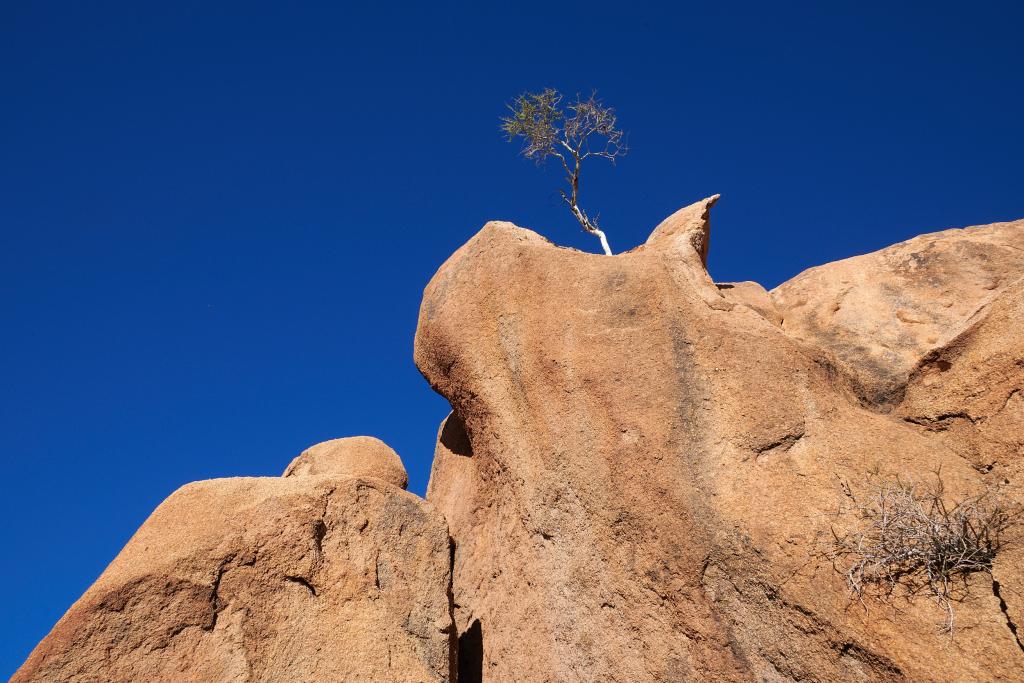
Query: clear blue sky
[217,219]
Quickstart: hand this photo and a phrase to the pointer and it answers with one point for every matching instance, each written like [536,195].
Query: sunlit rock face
[879,314]
[641,467]
[353,456]
[639,481]
[309,577]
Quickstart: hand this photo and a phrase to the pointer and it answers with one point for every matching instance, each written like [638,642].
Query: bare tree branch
[545,127]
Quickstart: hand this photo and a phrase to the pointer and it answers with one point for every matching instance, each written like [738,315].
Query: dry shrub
[911,540]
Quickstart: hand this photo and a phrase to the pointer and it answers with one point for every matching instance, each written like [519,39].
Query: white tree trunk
[585,221]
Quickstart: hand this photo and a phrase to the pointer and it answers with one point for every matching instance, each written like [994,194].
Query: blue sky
[217,219]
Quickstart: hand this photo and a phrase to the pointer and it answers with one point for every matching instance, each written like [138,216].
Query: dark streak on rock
[784,443]
[1006,614]
[302,581]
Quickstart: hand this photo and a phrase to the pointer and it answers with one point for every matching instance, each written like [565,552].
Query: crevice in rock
[1006,614]
[302,581]
[453,640]
[319,531]
[454,436]
[940,423]
[784,443]
[881,665]
[215,604]
[1006,402]
[471,654]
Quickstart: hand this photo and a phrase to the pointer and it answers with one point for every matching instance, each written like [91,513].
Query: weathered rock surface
[879,314]
[753,296]
[970,391]
[640,473]
[640,466]
[303,578]
[354,456]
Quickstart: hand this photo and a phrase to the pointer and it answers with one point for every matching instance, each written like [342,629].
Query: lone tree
[577,131]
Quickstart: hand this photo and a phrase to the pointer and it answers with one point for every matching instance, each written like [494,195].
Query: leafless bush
[910,541]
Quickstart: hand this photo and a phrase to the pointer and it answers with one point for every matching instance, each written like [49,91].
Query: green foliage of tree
[581,129]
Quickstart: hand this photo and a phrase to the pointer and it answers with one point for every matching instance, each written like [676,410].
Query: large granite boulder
[641,468]
[311,577]
[879,314]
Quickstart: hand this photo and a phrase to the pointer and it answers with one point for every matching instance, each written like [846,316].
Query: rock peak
[689,225]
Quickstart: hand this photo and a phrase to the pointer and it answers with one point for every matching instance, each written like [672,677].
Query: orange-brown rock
[969,392]
[969,395]
[641,472]
[753,296]
[302,578]
[879,314]
[640,467]
[354,456]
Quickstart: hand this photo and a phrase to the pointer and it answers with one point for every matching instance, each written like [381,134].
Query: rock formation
[637,482]
[640,466]
[880,313]
[355,456]
[321,575]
